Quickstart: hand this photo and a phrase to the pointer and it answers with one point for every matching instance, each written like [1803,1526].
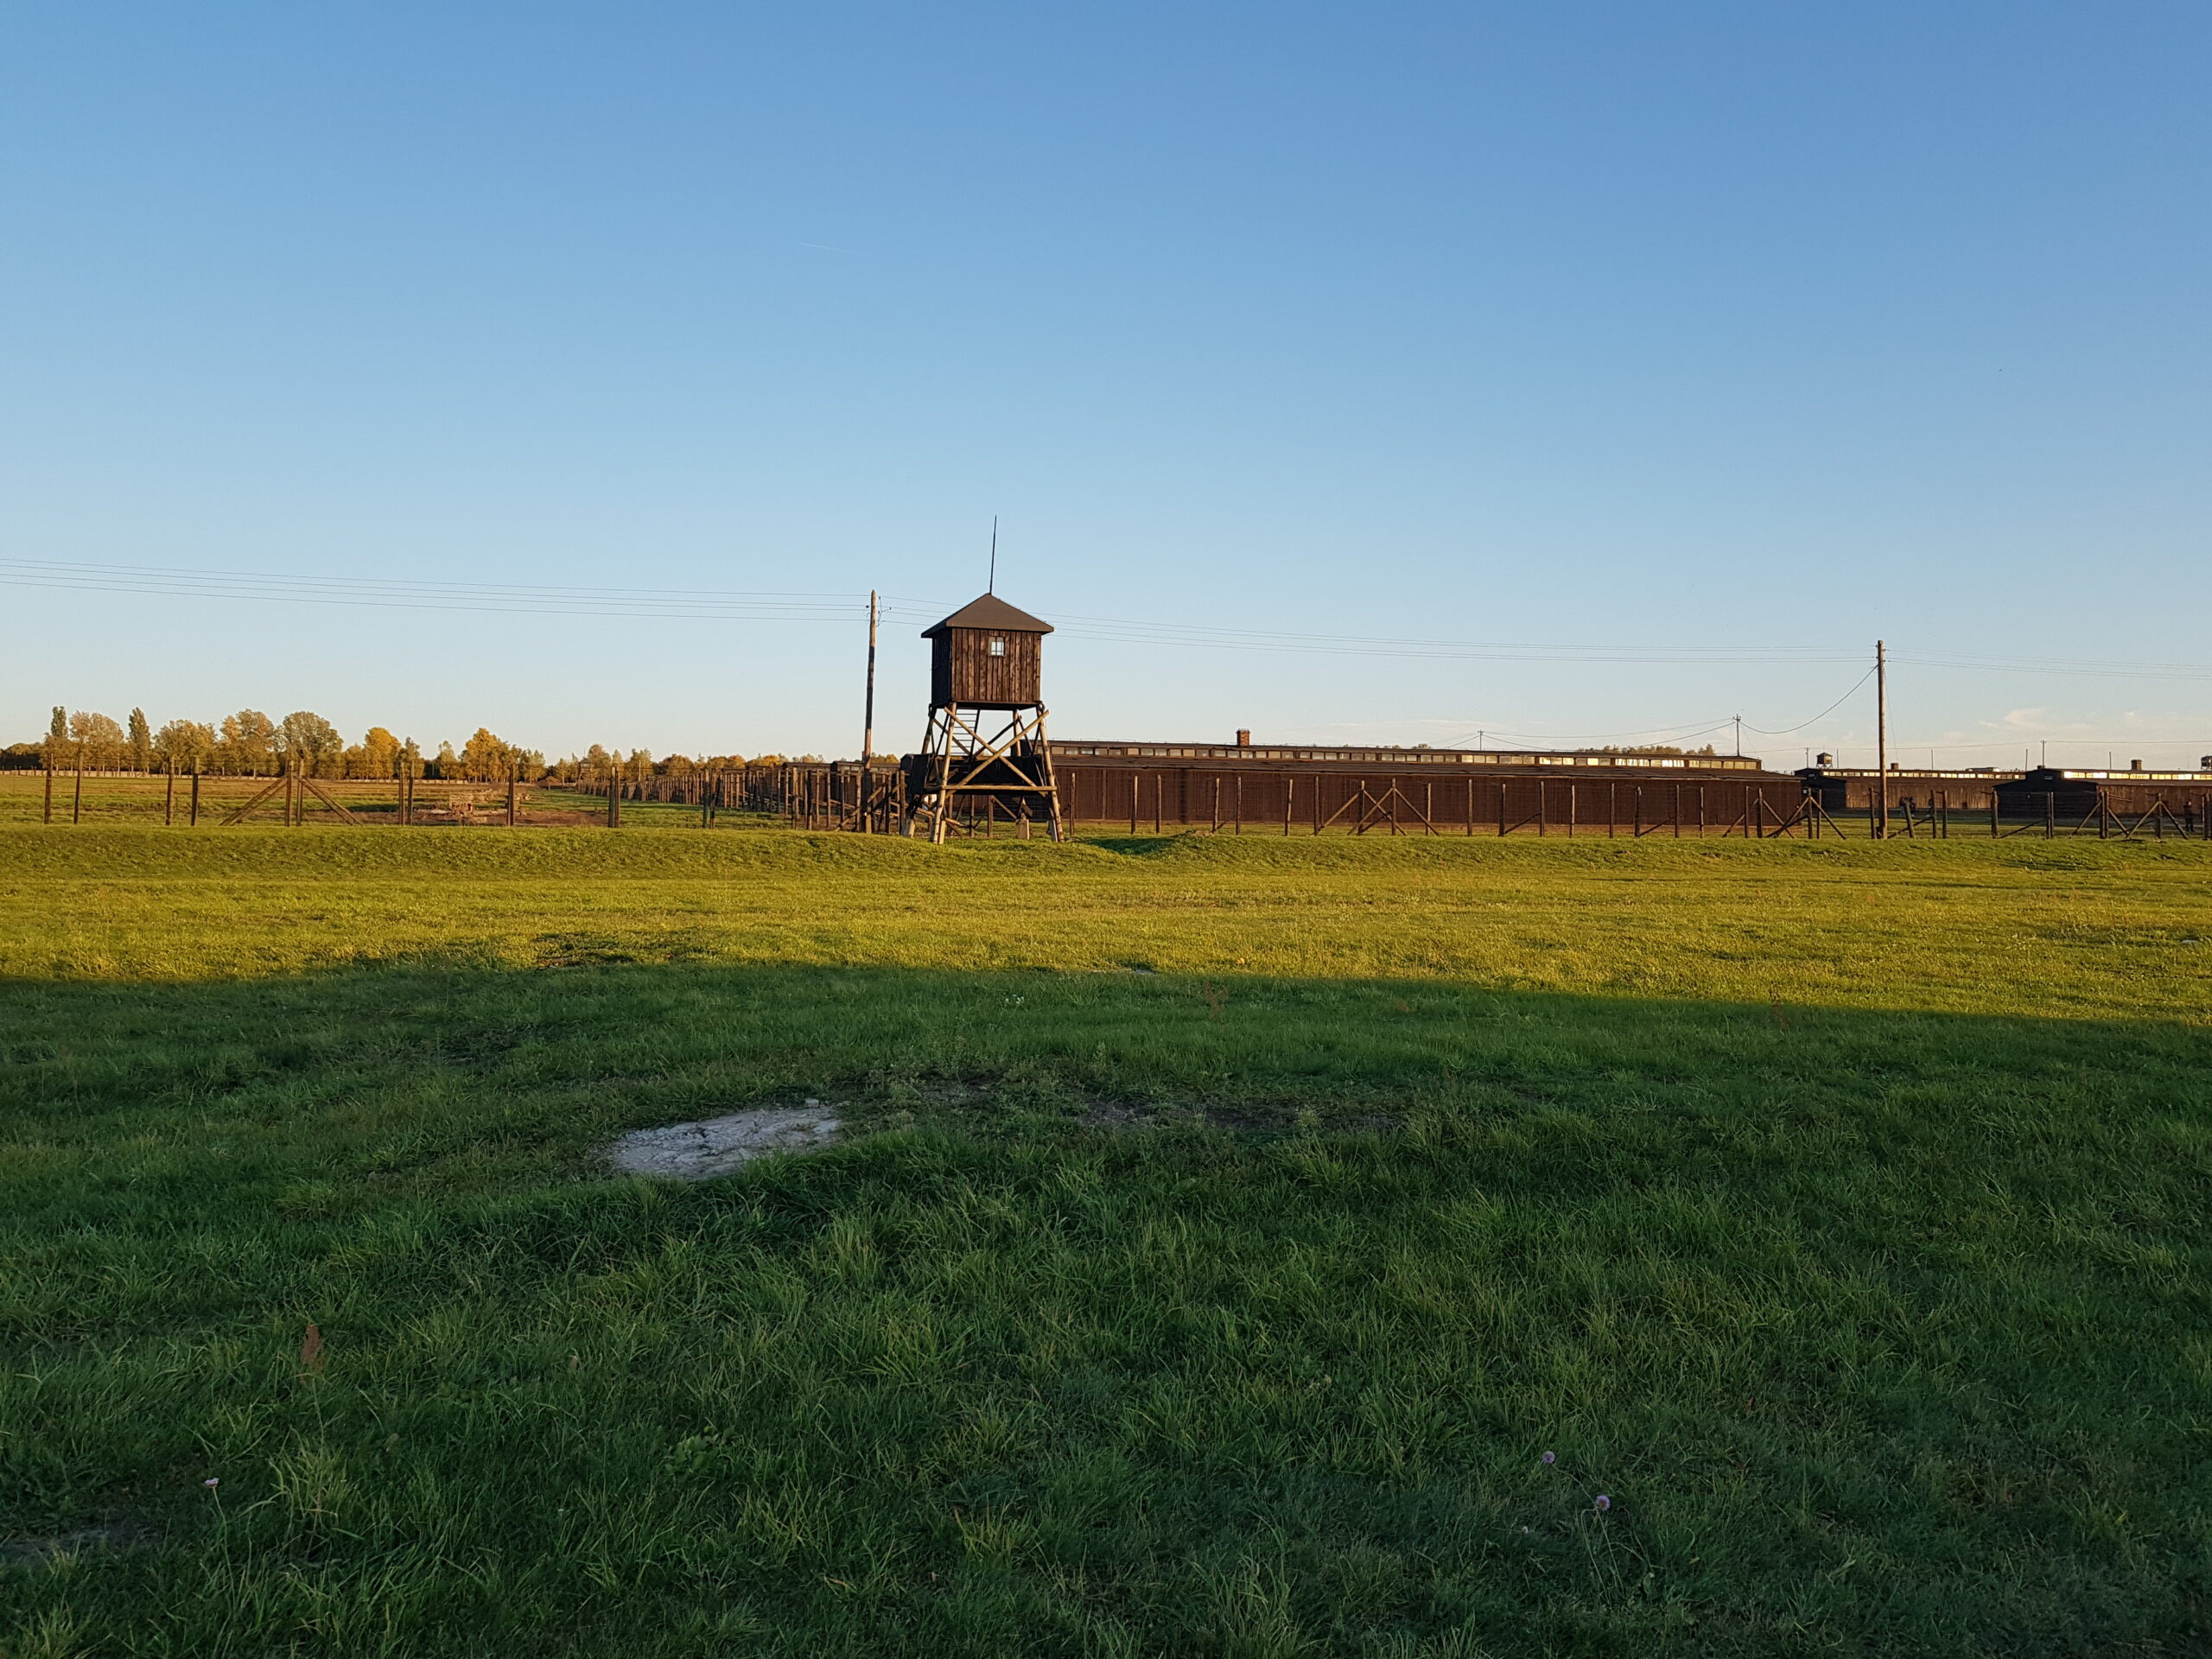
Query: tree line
[249,744]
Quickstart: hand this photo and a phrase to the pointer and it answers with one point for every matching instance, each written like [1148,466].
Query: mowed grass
[1227,1232]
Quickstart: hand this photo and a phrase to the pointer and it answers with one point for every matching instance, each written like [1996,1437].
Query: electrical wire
[714,605]
[509,598]
[1784,731]
[1123,630]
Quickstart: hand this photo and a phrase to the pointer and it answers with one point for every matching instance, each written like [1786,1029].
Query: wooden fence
[1133,799]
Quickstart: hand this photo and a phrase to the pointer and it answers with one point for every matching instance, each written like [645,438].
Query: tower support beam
[980,765]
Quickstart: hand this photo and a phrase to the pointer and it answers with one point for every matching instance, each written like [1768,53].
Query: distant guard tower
[985,758]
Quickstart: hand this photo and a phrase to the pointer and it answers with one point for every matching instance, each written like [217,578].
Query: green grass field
[1228,1230]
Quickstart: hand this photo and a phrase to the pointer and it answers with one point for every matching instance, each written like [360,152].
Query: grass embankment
[1836,1211]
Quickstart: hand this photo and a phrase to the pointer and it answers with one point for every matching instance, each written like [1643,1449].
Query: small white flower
[212,1482]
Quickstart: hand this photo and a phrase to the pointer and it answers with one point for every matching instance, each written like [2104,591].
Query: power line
[512,597]
[720,605]
[1683,734]
[1784,731]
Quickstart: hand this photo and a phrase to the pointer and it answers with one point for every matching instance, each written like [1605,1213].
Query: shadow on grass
[1146,1314]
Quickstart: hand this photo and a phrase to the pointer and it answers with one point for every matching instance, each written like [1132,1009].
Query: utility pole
[868,719]
[1739,736]
[1882,739]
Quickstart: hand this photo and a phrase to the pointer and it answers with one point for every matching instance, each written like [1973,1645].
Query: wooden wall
[1264,801]
[962,670]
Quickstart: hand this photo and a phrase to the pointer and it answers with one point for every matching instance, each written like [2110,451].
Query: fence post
[77,799]
[2050,813]
[168,797]
[48,818]
[514,792]
[193,820]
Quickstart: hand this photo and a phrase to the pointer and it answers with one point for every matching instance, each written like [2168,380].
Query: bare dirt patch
[706,1148]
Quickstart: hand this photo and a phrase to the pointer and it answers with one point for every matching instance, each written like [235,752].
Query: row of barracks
[1243,786]
[987,760]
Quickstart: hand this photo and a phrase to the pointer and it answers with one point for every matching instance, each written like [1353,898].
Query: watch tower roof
[992,613]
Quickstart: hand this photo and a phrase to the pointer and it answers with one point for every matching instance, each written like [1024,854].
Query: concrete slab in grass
[701,1150]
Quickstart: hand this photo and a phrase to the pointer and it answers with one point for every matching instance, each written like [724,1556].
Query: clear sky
[1716,328]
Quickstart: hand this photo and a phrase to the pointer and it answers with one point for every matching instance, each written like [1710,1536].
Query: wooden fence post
[192,821]
[77,799]
[48,818]
[168,797]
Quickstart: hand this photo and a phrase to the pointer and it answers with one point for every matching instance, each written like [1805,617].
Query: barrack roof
[989,612]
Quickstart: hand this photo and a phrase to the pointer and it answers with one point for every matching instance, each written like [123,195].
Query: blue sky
[1720,329]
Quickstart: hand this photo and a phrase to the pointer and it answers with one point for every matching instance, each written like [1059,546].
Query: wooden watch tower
[986,758]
